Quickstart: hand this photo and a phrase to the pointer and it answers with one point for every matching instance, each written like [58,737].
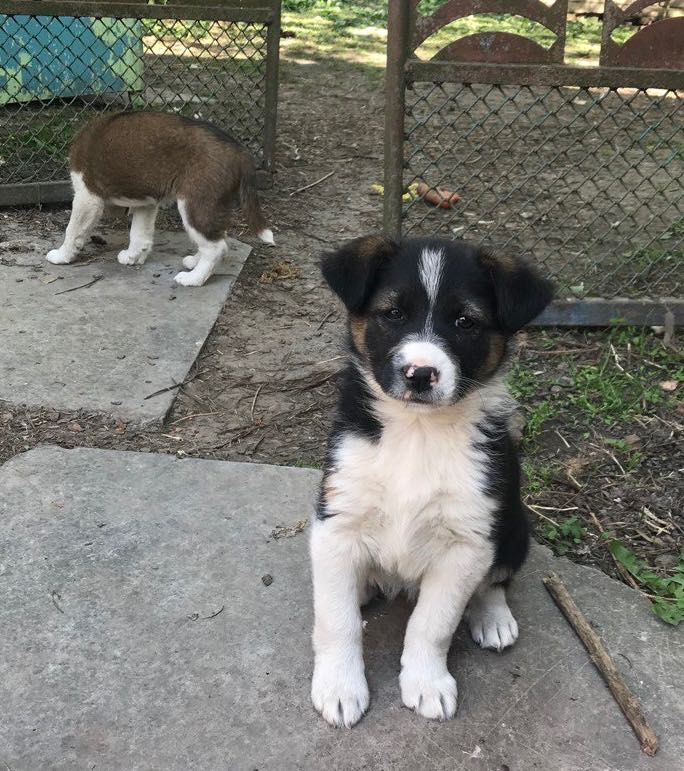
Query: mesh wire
[588,182]
[56,72]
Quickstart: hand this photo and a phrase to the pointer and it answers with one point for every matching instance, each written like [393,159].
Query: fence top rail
[261,11]
[543,75]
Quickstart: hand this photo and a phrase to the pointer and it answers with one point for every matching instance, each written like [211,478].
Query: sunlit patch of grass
[357,32]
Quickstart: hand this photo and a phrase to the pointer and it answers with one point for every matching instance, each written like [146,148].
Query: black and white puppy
[421,489]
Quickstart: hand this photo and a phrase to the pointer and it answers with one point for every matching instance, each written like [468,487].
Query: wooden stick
[313,184]
[627,701]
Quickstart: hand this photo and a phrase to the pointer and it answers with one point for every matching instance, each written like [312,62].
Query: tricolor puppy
[421,489]
[142,160]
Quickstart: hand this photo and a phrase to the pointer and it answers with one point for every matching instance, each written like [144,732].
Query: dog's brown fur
[166,157]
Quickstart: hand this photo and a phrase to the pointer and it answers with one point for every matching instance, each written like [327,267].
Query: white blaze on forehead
[426,353]
[431,265]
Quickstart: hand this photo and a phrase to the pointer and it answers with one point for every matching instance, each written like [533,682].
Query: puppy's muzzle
[420,379]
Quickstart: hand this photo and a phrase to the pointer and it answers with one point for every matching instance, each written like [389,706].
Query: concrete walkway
[108,346]
[139,632]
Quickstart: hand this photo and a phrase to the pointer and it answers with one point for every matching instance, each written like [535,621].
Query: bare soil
[262,389]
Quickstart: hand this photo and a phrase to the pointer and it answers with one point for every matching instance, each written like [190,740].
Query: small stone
[555,389]
[76,427]
[668,385]
[267,579]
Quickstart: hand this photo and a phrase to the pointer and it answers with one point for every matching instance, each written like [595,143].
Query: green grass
[615,392]
[358,30]
[565,535]
[539,475]
[523,385]
[668,590]
[604,397]
[629,457]
[537,418]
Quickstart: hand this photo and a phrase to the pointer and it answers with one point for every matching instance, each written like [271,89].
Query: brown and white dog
[421,487]
[141,160]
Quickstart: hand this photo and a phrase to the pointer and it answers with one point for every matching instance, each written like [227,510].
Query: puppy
[142,160]
[421,489]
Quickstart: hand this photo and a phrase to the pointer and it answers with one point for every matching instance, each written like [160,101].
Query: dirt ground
[263,387]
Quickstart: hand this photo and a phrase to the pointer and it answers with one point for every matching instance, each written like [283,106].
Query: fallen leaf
[48,279]
[668,385]
[279,272]
[76,427]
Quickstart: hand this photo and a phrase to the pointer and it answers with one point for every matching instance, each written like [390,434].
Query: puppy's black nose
[420,378]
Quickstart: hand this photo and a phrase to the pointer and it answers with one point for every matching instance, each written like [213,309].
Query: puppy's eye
[464,322]
[394,314]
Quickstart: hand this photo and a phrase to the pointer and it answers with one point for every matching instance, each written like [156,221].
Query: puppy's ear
[351,270]
[521,291]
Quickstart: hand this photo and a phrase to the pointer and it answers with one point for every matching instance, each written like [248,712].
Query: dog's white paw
[430,691]
[59,257]
[189,278]
[191,261]
[127,257]
[266,235]
[493,627]
[340,692]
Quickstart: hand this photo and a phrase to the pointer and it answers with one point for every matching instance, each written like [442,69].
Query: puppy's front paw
[494,629]
[59,257]
[430,691]
[128,257]
[340,692]
[189,278]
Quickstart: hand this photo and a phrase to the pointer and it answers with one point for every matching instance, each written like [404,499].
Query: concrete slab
[137,633]
[105,347]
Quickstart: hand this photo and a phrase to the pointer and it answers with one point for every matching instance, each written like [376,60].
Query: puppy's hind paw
[191,261]
[492,626]
[127,257]
[190,278]
[59,257]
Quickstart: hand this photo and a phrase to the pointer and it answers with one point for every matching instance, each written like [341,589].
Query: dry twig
[602,660]
[95,279]
[313,184]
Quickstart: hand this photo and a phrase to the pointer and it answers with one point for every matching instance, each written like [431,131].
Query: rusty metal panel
[496,46]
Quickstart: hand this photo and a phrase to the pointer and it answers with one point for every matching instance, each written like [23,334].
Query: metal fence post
[271,94]
[398,27]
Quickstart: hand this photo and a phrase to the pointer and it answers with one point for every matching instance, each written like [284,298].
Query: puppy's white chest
[411,495]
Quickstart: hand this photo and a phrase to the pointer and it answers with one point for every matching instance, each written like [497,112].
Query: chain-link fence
[586,181]
[215,62]
[580,168]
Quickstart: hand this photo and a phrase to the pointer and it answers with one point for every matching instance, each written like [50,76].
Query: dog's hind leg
[490,620]
[211,248]
[86,211]
[141,237]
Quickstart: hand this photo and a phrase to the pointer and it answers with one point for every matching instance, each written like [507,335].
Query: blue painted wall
[42,57]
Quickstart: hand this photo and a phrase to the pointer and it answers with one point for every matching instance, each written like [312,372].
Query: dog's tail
[251,209]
